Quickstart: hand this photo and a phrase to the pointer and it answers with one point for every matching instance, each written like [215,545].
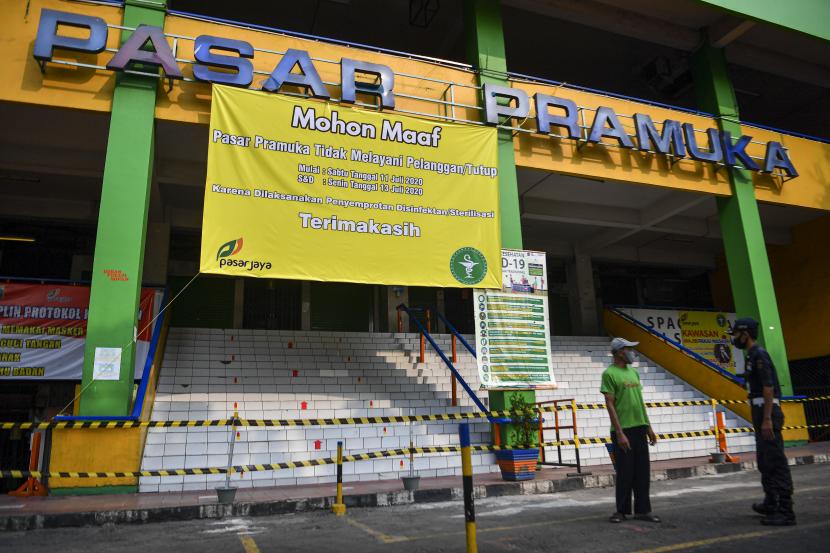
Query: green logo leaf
[229,248]
[468,266]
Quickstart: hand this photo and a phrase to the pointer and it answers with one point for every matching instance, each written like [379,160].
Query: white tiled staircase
[291,375]
[296,374]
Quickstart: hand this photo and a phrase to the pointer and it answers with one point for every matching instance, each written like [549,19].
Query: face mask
[630,357]
[739,341]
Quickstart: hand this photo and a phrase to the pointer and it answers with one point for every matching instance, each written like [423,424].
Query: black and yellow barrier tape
[277,423]
[365,456]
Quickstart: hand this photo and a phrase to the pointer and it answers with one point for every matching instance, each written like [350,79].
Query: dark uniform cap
[746,323]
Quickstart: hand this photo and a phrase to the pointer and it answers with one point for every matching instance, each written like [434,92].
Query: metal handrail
[454,332]
[677,345]
[440,352]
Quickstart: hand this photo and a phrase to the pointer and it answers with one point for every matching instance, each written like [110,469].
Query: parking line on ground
[378,535]
[249,544]
[734,537]
[385,538]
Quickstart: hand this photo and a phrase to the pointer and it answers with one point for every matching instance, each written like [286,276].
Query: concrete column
[437,323]
[587,321]
[396,295]
[740,220]
[80,263]
[156,253]
[305,306]
[122,227]
[238,302]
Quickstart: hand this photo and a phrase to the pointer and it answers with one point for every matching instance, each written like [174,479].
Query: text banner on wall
[513,326]
[707,334]
[668,322]
[303,189]
[43,330]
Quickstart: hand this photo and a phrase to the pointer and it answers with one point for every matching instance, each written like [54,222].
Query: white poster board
[107,364]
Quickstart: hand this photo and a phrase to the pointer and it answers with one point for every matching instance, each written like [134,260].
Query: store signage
[228,61]
[210,65]
[676,140]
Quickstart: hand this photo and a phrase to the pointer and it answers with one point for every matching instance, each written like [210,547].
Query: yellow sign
[707,334]
[304,189]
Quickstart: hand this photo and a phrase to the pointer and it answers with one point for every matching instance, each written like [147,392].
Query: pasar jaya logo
[229,248]
[226,252]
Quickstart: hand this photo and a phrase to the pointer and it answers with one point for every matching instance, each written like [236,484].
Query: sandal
[648,517]
[617,517]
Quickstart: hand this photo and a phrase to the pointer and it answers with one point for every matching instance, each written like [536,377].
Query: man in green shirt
[631,432]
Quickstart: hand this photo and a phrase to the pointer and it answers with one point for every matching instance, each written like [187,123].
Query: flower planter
[518,464]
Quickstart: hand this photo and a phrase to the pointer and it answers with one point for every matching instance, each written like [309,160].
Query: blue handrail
[696,356]
[454,332]
[449,364]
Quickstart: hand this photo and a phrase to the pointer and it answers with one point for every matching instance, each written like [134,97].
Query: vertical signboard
[513,327]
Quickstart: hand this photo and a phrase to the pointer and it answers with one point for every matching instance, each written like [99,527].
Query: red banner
[43,330]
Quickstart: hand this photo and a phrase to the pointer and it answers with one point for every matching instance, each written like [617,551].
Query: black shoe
[779,519]
[763,508]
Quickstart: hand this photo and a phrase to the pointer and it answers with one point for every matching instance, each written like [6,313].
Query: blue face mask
[630,357]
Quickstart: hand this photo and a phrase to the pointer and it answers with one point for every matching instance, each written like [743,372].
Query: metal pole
[339,508]
[234,437]
[576,441]
[423,340]
[467,478]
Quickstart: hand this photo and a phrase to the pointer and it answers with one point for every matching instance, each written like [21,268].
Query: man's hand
[622,441]
[652,437]
[766,430]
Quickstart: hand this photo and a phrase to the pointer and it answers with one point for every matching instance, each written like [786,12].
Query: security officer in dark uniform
[767,418]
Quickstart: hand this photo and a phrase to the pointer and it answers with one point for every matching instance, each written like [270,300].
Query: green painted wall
[743,237]
[122,225]
[810,17]
[485,51]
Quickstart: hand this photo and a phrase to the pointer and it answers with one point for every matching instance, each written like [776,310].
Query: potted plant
[519,462]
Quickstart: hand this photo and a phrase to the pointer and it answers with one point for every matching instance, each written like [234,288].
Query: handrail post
[454,351]
[400,321]
[541,434]
[467,481]
[454,385]
[423,340]
[429,320]
[576,436]
[339,508]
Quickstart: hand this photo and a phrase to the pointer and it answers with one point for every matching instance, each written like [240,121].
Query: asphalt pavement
[709,513]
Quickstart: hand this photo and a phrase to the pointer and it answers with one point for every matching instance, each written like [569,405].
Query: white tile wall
[295,374]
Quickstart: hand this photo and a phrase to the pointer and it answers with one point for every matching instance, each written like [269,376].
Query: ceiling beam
[656,256]
[658,212]
[728,29]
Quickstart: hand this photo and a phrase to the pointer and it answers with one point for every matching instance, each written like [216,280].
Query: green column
[740,222]
[122,224]
[485,51]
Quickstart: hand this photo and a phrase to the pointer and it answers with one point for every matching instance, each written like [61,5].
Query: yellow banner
[303,189]
[707,334]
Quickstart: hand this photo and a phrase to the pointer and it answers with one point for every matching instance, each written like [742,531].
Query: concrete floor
[709,513]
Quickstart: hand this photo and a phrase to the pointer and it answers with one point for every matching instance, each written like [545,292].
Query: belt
[759,401]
